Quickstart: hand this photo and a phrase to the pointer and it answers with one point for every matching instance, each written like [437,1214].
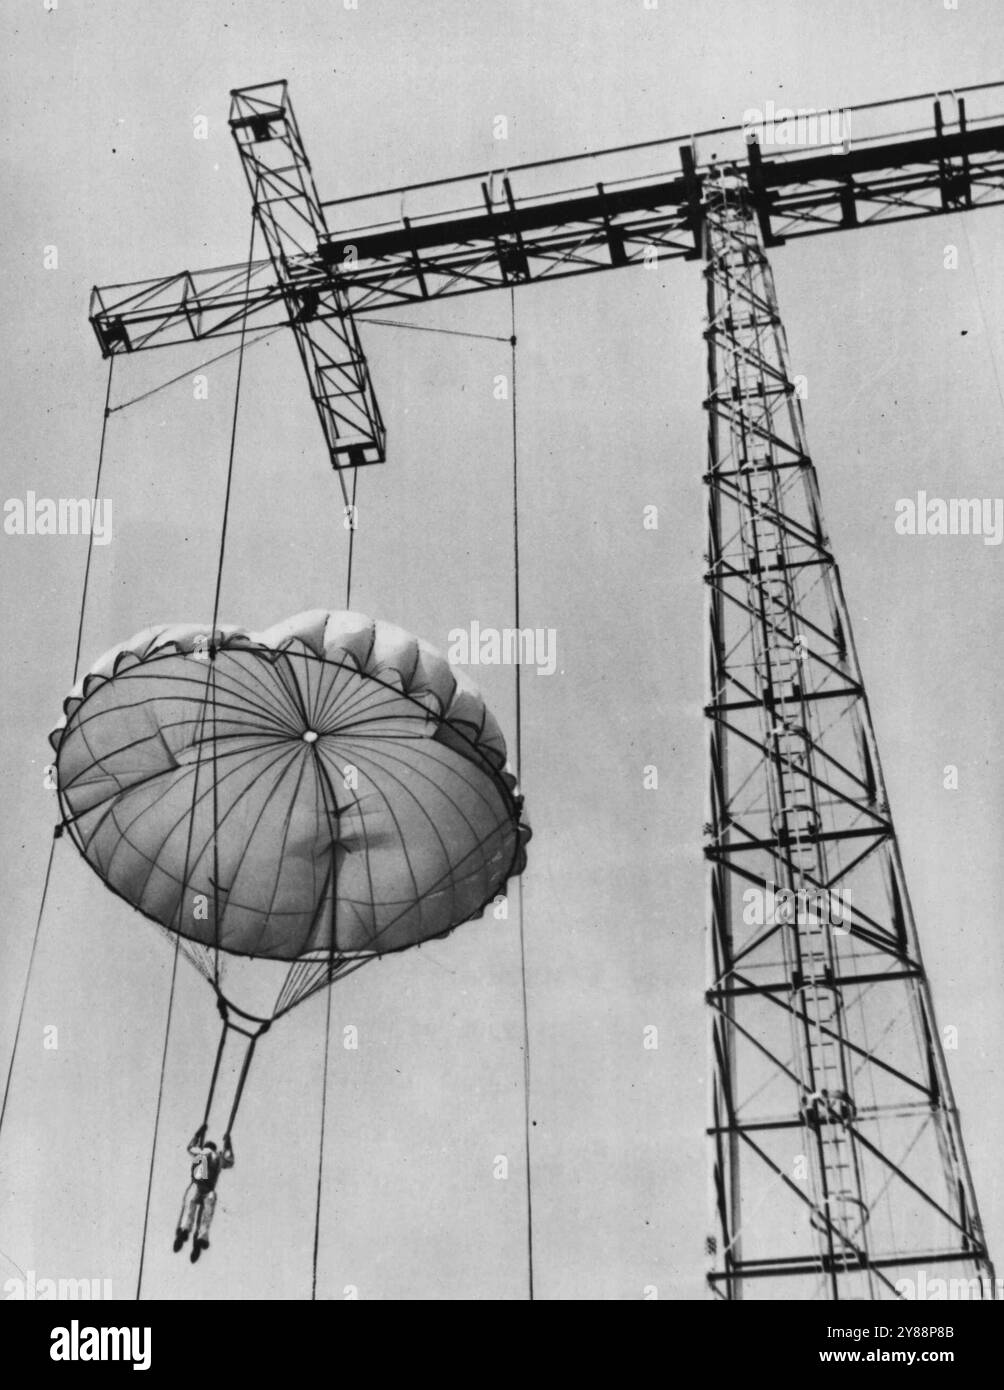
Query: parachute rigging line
[195,785]
[216,1064]
[58,830]
[518,764]
[245,1068]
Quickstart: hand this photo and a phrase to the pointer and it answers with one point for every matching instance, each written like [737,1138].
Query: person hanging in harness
[199,1202]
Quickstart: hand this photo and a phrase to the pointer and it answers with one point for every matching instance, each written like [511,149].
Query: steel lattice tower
[838,1162]
[837,1157]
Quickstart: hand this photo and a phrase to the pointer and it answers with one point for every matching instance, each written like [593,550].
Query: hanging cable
[425,328]
[184,376]
[195,787]
[983,317]
[233,437]
[58,830]
[352,541]
[156,1118]
[27,976]
[170,1012]
[211,674]
[527,1123]
[215,880]
[324,1111]
[331,952]
[97,493]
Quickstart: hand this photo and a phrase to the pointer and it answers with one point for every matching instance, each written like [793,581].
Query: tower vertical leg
[837,1160]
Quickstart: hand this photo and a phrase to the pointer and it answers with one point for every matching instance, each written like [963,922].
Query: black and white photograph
[502,792]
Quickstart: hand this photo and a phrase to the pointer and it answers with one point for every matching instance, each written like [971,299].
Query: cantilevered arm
[513,240]
[539,222]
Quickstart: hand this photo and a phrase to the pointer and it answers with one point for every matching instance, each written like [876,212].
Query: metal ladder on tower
[795,822]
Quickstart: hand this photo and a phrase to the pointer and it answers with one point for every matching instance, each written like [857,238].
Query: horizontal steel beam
[513,241]
[815,1264]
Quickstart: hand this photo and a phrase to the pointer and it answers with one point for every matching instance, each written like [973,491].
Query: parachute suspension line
[216,1064]
[317,977]
[251,1035]
[245,1068]
[298,976]
[518,762]
[57,832]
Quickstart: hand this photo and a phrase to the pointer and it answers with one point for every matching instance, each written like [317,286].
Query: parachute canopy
[330,787]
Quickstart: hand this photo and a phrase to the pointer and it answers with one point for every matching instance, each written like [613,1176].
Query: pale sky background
[902,359]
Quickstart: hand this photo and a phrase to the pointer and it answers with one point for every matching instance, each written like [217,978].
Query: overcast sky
[902,359]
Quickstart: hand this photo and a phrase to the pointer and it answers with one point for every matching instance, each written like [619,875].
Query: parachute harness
[252,1034]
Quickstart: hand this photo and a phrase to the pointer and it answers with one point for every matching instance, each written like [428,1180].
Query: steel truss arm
[292,220]
[315,278]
